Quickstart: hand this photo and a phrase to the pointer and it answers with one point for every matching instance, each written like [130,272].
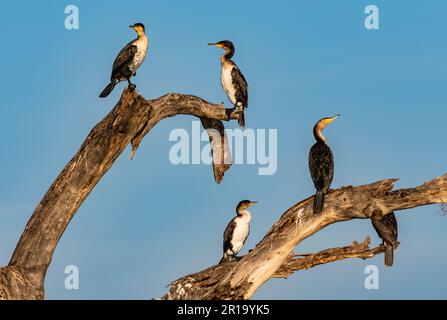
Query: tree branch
[129,121]
[304,262]
[184,288]
[273,256]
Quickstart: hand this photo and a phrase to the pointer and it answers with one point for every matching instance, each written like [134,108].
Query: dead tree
[273,257]
[129,121]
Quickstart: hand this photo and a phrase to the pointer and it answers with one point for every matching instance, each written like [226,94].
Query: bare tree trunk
[273,256]
[131,119]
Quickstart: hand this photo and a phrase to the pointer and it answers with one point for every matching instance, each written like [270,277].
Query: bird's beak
[333,118]
[213,44]
[131,26]
[253,203]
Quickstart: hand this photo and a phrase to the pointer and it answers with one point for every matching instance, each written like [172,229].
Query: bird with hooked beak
[129,59]
[232,80]
[237,231]
[321,163]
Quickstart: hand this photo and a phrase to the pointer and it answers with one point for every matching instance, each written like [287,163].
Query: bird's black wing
[228,234]
[241,86]
[122,60]
[321,166]
[386,228]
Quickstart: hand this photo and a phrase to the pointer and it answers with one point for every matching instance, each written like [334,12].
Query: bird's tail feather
[241,120]
[107,89]
[389,255]
[318,201]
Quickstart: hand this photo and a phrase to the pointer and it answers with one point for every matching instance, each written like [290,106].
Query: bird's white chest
[241,232]
[226,79]
[142,45]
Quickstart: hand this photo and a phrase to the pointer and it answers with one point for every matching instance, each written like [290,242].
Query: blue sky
[148,222]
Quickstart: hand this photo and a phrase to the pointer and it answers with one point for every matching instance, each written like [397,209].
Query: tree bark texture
[273,256]
[128,122]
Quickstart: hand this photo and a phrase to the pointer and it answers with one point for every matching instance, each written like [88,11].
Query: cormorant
[386,228]
[321,163]
[128,60]
[237,231]
[232,80]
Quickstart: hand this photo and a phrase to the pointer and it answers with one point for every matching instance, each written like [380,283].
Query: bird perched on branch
[128,60]
[232,80]
[321,163]
[386,228]
[237,231]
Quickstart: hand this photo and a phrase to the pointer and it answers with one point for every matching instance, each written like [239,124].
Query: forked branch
[129,121]
[273,257]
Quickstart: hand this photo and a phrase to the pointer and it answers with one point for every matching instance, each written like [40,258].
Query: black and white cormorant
[321,163]
[237,231]
[232,80]
[386,228]
[128,60]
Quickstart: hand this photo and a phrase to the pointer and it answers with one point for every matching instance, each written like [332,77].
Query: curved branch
[304,262]
[183,288]
[273,256]
[188,286]
[129,121]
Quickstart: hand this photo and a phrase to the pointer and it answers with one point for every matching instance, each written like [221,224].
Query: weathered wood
[189,286]
[241,279]
[220,147]
[14,285]
[304,262]
[129,121]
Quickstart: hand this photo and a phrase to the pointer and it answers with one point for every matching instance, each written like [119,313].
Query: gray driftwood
[273,256]
[129,121]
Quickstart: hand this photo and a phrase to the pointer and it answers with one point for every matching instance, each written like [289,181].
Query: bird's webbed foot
[238,108]
[131,86]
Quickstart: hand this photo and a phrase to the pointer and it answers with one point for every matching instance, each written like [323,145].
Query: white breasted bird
[237,231]
[321,163]
[128,60]
[232,80]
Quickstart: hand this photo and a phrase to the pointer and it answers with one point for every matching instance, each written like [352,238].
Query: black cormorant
[128,60]
[386,228]
[321,163]
[232,79]
[237,231]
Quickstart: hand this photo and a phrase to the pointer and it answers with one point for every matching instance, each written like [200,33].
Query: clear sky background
[148,222]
